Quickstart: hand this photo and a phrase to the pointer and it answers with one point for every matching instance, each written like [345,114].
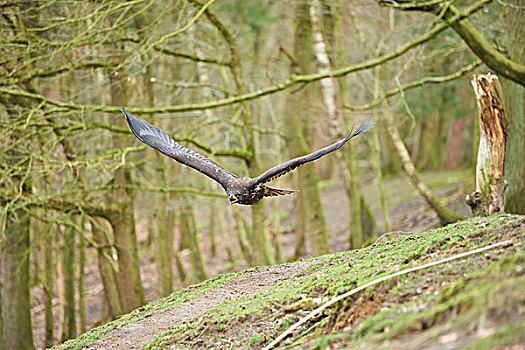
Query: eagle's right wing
[156,138]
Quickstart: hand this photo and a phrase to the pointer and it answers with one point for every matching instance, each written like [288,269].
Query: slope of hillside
[476,302]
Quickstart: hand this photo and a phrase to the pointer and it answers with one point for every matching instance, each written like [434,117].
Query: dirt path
[134,336]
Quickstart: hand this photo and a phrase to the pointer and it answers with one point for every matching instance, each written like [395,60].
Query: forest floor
[407,211]
[476,302]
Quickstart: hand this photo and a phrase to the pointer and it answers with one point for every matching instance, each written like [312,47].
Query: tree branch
[414,84]
[53,71]
[291,81]
[177,137]
[470,35]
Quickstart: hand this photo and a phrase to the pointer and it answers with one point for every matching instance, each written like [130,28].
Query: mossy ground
[476,301]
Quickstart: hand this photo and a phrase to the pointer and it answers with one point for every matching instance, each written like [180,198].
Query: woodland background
[249,84]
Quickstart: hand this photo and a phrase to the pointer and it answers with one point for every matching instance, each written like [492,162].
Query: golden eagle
[244,190]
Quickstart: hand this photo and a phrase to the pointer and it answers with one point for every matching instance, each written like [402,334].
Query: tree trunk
[68,261]
[278,247]
[14,287]
[354,186]
[163,251]
[107,267]
[455,144]
[82,275]
[515,105]
[128,259]
[242,233]
[261,236]
[310,194]
[124,222]
[489,197]
[211,228]
[300,226]
[48,285]
[183,276]
[189,229]
[376,156]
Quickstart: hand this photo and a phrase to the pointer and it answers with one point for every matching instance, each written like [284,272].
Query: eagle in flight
[243,190]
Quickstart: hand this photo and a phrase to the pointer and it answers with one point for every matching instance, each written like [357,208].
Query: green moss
[452,289]
[493,291]
[258,339]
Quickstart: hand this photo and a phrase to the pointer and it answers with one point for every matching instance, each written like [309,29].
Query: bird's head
[233,198]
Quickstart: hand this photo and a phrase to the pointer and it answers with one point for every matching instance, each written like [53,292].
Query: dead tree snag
[489,197]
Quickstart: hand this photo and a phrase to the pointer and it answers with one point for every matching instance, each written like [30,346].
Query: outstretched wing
[158,139]
[290,165]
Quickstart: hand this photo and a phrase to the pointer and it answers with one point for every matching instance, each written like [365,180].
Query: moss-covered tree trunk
[15,313]
[376,155]
[515,105]
[189,229]
[48,284]
[173,219]
[16,330]
[354,187]
[313,218]
[202,71]
[69,306]
[163,250]
[161,244]
[123,223]
[82,274]
[107,266]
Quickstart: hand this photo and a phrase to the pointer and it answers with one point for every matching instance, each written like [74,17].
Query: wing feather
[158,139]
[286,167]
[272,191]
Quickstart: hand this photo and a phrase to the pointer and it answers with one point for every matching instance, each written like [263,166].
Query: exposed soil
[134,335]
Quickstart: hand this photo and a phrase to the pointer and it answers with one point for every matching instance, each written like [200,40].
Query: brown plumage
[243,190]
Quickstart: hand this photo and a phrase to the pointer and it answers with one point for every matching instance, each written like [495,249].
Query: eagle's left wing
[290,165]
[158,139]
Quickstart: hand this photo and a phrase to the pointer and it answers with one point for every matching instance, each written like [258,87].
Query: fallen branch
[377,281]
[445,215]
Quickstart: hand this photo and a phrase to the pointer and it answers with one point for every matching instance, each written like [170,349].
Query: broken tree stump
[489,197]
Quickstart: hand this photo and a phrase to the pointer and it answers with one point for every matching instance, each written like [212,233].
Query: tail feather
[272,191]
